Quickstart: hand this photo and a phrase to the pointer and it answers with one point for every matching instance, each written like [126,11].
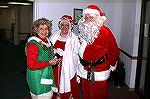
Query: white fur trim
[39,40]
[46,81]
[99,76]
[104,18]
[78,79]
[90,11]
[113,68]
[59,51]
[47,95]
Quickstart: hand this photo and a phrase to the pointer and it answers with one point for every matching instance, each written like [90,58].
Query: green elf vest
[35,78]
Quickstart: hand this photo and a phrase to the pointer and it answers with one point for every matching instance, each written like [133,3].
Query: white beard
[88,32]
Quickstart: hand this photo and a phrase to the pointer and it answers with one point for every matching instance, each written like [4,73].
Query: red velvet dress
[57,73]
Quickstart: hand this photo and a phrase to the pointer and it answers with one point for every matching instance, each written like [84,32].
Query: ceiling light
[19,3]
[31,0]
[4,7]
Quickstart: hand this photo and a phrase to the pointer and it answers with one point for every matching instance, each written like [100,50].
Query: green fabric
[34,76]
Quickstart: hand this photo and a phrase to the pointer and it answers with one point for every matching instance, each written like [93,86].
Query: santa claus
[98,53]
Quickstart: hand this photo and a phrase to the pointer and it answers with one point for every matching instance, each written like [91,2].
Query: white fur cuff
[46,81]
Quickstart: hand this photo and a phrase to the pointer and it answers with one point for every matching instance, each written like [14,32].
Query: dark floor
[12,73]
[13,64]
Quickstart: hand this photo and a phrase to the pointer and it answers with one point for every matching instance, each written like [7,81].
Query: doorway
[15,21]
[143,69]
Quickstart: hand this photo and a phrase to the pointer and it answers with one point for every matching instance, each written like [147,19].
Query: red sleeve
[113,50]
[32,56]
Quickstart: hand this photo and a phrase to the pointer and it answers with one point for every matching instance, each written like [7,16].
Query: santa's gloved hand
[113,68]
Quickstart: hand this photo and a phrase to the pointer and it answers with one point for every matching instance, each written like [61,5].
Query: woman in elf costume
[40,58]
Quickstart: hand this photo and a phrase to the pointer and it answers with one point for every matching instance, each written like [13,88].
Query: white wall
[129,40]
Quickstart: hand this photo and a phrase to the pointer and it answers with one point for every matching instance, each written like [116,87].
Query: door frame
[144,95]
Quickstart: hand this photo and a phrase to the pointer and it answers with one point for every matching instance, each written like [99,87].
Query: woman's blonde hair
[42,21]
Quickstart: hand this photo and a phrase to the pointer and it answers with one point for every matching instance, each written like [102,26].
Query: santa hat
[93,10]
[67,17]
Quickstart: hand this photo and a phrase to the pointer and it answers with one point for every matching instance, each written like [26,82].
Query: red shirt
[32,56]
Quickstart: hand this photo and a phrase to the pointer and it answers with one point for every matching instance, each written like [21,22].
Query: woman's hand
[54,61]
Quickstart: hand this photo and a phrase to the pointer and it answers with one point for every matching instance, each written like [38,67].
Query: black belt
[90,74]
[99,61]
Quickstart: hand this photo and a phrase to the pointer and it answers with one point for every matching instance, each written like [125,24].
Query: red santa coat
[104,45]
